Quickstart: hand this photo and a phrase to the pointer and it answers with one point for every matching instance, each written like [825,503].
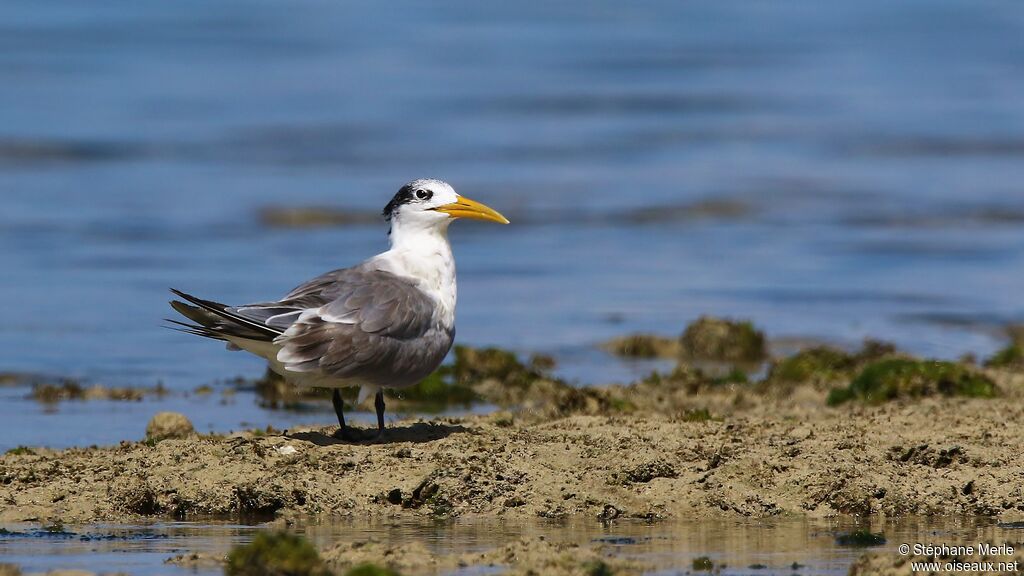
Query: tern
[388,322]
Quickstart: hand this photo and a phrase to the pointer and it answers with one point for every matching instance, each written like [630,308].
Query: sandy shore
[934,456]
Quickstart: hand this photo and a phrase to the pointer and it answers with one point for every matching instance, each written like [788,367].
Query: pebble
[169,425]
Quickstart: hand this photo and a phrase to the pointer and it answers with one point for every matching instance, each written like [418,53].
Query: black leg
[339,407]
[378,403]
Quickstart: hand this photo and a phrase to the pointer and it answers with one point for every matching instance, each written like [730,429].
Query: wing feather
[359,324]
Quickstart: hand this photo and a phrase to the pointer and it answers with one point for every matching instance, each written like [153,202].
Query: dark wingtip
[192,329]
[180,306]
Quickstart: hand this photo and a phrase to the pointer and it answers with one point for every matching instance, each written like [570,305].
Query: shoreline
[929,457]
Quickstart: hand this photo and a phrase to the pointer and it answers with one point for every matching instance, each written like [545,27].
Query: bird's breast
[432,270]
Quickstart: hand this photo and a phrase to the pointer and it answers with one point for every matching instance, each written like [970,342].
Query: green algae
[273,392]
[703,564]
[643,346]
[1010,357]
[826,364]
[499,377]
[437,391]
[734,376]
[467,379]
[894,378]
[683,377]
[53,393]
[861,538]
[818,363]
[822,367]
[698,415]
[598,568]
[371,570]
[621,405]
[875,350]
[275,554]
[476,364]
[490,375]
[68,389]
[722,340]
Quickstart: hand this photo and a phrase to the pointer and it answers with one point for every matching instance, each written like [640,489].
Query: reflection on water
[669,547]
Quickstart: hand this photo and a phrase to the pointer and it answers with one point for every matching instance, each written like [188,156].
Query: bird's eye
[424,194]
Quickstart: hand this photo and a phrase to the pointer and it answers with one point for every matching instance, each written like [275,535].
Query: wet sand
[933,456]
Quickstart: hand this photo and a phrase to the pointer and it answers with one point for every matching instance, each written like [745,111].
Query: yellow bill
[466,208]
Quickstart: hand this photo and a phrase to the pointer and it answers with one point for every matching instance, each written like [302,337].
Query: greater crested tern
[385,323]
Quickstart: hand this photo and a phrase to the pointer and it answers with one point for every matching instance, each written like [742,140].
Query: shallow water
[670,547]
[74,422]
[868,154]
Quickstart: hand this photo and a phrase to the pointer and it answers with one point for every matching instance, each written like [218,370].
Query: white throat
[423,254]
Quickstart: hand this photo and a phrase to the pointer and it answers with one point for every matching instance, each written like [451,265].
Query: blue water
[874,149]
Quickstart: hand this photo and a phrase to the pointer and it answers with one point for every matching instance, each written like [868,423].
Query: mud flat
[933,456]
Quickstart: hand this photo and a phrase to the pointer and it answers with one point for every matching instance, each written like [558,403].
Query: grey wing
[311,294]
[358,323]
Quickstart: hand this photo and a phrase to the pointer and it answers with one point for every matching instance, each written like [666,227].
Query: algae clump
[697,415]
[598,568]
[905,378]
[481,374]
[438,391]
[818,363]
[643,346]
[734,376]
[823,366]
[703,564]
[473,365]
[275,554]
[1010,357]
[861,538]
[720,340]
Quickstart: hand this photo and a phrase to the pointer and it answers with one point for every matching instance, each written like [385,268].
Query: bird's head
[428,203]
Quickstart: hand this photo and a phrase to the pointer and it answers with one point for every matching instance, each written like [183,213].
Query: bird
[387,322]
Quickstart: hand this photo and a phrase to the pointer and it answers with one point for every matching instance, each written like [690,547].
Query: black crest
[405,195]
[417,190]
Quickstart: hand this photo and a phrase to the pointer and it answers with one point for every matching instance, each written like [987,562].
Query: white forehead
[433,185]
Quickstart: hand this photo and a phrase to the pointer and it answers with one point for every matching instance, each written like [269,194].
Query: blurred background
[831,171]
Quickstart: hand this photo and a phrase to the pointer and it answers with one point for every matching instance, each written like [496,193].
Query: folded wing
[353,324]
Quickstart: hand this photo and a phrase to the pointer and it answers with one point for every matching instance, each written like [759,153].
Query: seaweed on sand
[722,340]
[894,378]
[275,554]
